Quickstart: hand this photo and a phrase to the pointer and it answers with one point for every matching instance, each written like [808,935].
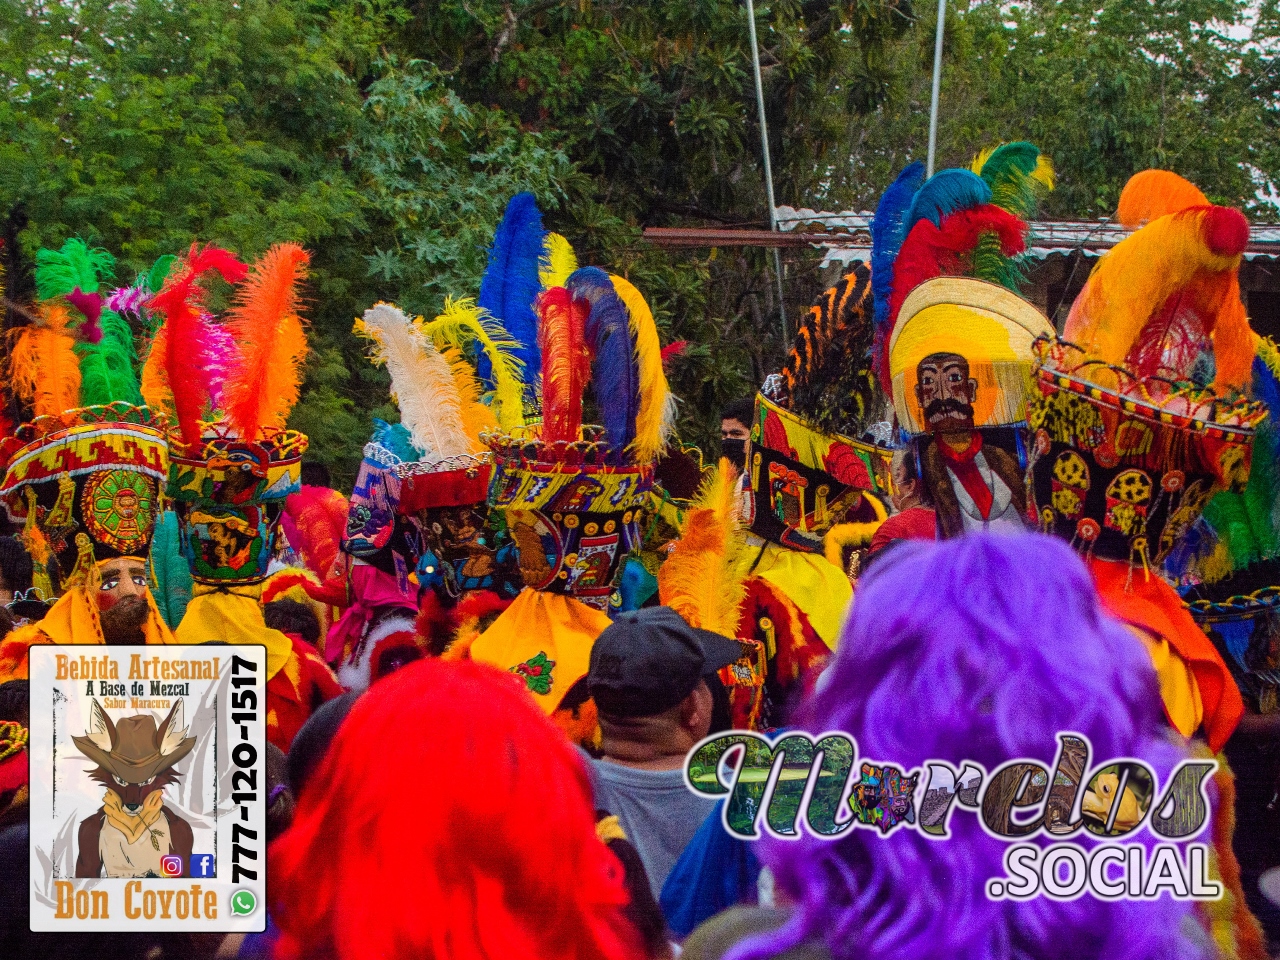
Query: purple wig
[981,648]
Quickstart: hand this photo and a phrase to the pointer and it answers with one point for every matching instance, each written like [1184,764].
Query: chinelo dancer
[85,476]
[573,494]
[234,461]
[1140,414]
[419,504]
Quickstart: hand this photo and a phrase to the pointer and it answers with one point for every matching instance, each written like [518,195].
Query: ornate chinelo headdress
[87,486]
[1138,412]
[237,462]
[574,494]
[423,486]
[806,475]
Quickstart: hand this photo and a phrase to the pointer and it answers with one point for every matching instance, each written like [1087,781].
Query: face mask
[736,451]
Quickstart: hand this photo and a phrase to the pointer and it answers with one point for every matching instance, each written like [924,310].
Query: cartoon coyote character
[133,830]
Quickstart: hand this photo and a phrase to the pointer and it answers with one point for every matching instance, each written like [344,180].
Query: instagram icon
[171,866]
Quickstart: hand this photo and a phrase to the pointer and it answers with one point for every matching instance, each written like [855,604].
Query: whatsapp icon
[243,903]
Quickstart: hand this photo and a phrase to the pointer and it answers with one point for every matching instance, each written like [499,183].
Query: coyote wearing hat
[133,830]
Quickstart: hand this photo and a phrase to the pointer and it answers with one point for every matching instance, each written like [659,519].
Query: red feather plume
[566,363]
[186,358]
[930,251]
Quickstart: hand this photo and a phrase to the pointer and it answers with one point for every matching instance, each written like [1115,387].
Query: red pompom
[1226,231]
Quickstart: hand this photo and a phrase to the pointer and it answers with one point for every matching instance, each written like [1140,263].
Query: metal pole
[768,167]
[937,82]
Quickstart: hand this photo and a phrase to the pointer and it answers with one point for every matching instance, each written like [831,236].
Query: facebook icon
[202,865]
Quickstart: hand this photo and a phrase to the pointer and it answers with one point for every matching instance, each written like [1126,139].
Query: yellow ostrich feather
[477,417]
[1140,273]
[558,261]
[702,577]
[462,324]
[657,414]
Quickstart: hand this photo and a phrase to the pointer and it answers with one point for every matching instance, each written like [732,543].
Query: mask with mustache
[938,407]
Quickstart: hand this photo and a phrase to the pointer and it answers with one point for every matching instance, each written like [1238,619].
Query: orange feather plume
[1181,267]
[43,363]
[1153,194]
[261,391]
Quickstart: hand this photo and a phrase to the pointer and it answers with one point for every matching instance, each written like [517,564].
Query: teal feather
[395,438]
[169,574]
[946,192]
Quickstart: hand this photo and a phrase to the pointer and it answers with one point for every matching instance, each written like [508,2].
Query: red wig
[457,823]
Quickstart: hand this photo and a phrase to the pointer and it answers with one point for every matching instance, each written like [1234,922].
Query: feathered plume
[43,364]
[558,261]
[827,374]
[464,326]
[510,285]
[74,273]
[1246,524]
[263,387]
[944,193]
[396,440]
[566,364]
[887,234]
[105,349]
[702,577]
[106,368]
[615,375]
[170,575]
[224,356]
[175,376]
[132,301]
[1018,175]
[422,383]
[1152,194]
[656,417]
[1175,279]
[930,252]
[315,521]
[58,272]
[90,305]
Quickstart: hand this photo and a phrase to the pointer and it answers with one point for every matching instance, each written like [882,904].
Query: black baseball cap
[648,660]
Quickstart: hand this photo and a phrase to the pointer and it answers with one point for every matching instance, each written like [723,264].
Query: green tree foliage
[386,136]
[1106,87]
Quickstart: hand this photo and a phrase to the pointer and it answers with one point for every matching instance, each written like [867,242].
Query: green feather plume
[1246,522]
[1018,174]
[58,272]
[106,367]
[107,371]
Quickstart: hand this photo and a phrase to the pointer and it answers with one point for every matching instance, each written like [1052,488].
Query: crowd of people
[944,528]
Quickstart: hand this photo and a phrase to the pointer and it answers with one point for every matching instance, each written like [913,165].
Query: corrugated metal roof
[848,237]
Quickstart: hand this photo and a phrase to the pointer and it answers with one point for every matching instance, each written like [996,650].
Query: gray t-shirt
[657,811]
